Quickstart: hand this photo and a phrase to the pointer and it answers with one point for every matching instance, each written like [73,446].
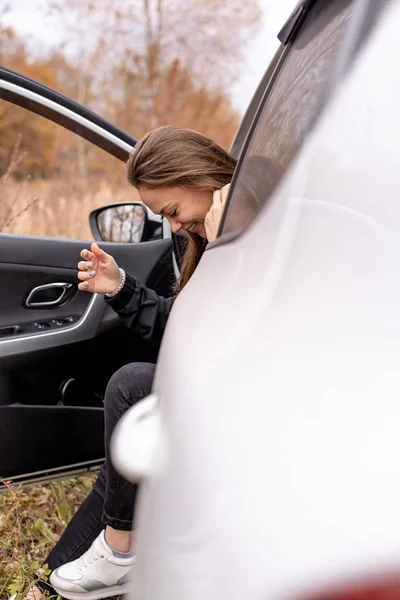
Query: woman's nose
[175,226]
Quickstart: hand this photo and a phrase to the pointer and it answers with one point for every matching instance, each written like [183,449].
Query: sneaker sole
[106,592]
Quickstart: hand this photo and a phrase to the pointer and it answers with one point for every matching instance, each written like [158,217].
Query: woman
[183,176]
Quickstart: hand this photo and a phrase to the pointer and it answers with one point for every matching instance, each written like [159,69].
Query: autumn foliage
[139,63]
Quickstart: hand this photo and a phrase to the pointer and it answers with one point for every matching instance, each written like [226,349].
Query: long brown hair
[175,156]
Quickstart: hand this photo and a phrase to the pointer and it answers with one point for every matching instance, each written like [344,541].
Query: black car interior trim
[85,328]
[65,117]
[290,28]
[42,90]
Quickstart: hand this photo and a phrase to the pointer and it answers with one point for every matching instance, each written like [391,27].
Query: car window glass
[51,178]
[289,108]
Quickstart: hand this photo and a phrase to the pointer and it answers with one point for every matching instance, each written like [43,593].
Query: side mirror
[126,223]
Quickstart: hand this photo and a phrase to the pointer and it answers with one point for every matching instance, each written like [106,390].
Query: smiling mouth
[192,228]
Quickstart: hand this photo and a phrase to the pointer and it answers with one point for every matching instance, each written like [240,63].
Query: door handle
[49,294]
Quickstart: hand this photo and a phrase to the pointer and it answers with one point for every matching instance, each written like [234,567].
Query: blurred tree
[178,102]
[153,62]
[27,140]
[140,63]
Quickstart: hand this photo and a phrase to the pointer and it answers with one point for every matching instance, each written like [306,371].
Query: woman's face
[183,207]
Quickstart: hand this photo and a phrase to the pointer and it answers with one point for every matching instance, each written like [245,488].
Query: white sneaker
[96,574]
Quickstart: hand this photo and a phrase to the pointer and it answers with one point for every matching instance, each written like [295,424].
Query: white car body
[272,461]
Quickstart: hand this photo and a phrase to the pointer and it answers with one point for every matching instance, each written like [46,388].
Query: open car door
[59,346]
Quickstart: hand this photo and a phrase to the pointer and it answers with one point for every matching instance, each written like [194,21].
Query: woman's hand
[213,217]
[99,273]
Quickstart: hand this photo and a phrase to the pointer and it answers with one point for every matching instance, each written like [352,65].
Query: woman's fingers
[220,196]
[86,275]
[217,199]
[85,265]
[99,253]
[225,192]
[213,217]
[86,254]
[85,286]
[86,272]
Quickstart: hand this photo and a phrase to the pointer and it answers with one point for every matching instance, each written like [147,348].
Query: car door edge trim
[66,112]
[53,474]
[228,237]
[221,239]
[24,81]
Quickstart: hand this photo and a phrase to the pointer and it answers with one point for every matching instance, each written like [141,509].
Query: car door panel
[20,281]
[49,437]
[27,262]
[56,359]
[52,381]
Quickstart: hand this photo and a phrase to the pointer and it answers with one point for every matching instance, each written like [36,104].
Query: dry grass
[31,521]
[59,206]
[55,208]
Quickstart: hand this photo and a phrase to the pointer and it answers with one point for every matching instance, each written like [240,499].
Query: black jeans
[112,499]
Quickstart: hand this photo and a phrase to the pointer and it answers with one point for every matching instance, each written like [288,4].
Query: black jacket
[142,310]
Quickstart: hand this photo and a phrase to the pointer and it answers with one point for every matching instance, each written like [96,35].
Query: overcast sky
[262,48]
[26,17]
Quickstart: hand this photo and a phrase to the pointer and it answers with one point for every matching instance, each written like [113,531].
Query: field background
[54,208]
[31,521]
